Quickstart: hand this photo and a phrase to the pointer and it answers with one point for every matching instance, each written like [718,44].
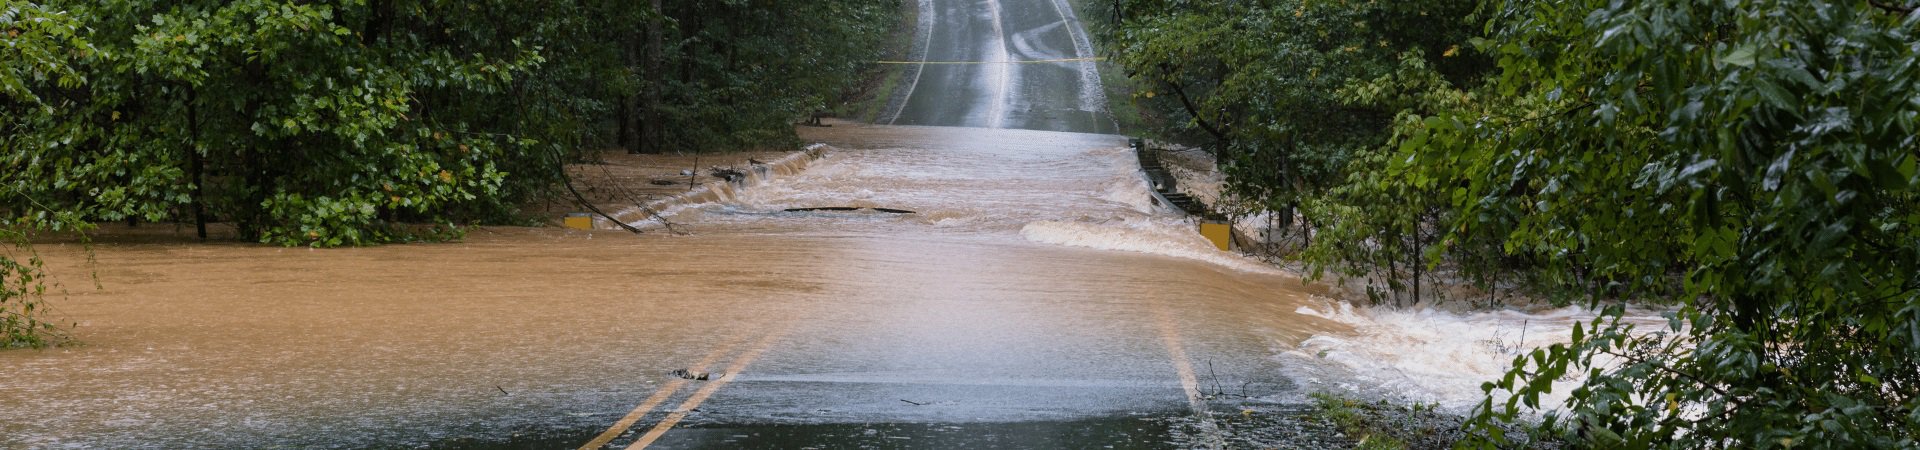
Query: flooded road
[1030,297]
[1000,311]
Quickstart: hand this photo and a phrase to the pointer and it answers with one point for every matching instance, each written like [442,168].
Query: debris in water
[732,175]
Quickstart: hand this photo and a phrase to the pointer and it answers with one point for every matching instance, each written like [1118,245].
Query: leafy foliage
[330,123]
[39,47]
[23,321]
[1751,163]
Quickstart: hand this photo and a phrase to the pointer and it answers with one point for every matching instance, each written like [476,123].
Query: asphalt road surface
[1024,64]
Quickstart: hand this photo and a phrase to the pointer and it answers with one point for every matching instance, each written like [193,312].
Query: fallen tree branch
[567,180]
[582,201]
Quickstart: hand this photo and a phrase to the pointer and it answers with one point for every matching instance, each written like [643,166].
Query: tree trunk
[629,114]
[650,126]
[379,17]
[627,137]
[1419,264]
[195,166]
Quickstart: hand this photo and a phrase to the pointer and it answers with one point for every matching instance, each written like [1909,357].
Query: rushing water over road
[968,319]
[1033,297]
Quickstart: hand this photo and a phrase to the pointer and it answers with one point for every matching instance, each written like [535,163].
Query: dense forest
[334,123]
[1749,164]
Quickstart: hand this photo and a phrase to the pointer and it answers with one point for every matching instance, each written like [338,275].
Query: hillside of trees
[1749,164]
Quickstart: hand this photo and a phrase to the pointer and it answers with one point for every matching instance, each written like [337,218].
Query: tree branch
[1187,103]
[1891,8]
[1664,368]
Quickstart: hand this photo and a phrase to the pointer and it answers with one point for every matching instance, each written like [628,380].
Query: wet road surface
[1033,299]
[1002,64]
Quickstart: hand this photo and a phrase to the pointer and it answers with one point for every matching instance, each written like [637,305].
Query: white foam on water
[1434,356]
[1139,225]
[1164,236]
[690,205]
[1090,197]
[1131,191]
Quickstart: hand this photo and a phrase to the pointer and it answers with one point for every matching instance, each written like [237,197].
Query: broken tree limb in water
[567,180]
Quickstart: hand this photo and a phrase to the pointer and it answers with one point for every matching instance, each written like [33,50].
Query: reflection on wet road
[986,75]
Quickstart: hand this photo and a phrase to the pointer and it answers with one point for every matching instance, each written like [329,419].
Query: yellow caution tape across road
[1024,61]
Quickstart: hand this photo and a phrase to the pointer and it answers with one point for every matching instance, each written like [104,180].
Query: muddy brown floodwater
[1032,285]
[1031,296]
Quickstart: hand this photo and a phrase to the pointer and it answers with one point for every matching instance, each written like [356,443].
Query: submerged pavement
[1034,299]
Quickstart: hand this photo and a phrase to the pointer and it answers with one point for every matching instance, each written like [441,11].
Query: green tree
[40,46]
[335,123]
[1752,162]
[1296,98]
[1265,80]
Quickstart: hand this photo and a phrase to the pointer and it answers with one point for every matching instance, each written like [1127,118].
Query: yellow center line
[701,395]
[661,395]
[1023,61]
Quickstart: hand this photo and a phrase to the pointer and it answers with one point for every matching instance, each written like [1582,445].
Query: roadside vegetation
[868,100]
[1384,426]
[1749,165]
[361,122]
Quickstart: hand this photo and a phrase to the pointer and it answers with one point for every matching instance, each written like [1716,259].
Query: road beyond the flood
[1024,64]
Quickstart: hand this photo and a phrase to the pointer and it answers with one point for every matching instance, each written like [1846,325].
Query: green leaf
[1742,56]
[1775,95]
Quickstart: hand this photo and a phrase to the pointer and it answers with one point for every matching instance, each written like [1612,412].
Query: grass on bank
[1346,413]
[869,101]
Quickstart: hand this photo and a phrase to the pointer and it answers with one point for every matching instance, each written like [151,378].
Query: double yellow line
[1023,61]
[1164,321]
[693,401]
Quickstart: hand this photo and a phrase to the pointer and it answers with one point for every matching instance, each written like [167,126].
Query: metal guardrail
[1166,191]
[1164,186]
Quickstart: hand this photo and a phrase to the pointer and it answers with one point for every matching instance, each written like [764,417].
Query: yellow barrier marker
[579,221]
[1220,232]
